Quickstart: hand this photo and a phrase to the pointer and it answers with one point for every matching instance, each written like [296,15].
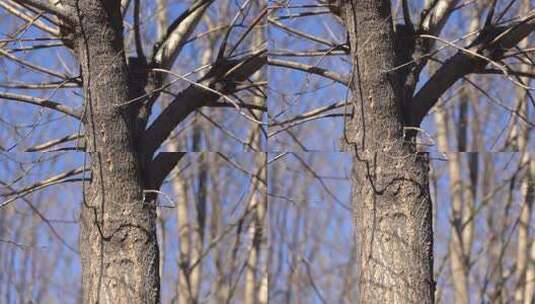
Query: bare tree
[391,91]
[118,242]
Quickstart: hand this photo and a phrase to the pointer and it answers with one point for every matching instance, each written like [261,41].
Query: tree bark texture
[118,244]
[391,199]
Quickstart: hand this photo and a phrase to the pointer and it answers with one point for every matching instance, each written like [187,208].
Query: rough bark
[118,244]
[391,200]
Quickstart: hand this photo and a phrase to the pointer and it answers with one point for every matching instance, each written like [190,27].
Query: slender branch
[305,120]
[216,104]
[249,29]
[510,72]
[44,219]
[317,53]
[311,113]
[40,86]
[33,66]
[303,14]
[33,20]
[301,34]
[222,129]
[49,8]
[23,194]
[47,181]
[42,103]
[309,69]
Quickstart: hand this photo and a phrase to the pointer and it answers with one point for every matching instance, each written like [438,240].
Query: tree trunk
[118,244]
[391,200]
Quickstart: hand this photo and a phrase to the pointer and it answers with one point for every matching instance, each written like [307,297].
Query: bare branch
[33,66]
[464,63]
[42,103]
[137,31]
[310,69]
[40,86]
[310,114]
[54,142]
[58,179]
[33,20]
[301,34]
[196,96]
[436,14]
[167,49]
[49,8]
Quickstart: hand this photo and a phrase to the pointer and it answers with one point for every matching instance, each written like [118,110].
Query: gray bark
[391,200]
[118,244]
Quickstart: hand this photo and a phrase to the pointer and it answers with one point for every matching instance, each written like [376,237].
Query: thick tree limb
[436,14]
[137,31]
[167,49]
[160,167]
[462,64]
[225,74]
[42,103]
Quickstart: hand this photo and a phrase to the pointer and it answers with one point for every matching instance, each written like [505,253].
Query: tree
[391,198]
[118,241]
[391,92]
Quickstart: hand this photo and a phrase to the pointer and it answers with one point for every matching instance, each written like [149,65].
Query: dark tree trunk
[118,244]
[391,201]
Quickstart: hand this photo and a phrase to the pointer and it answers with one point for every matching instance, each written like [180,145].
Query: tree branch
[58,179]
[436,15]
[54,142]
[160,167]
[168,48]
[309,69]
[223,75]
[34,66]
[49,8]
[31,19]
[42,103]
[464,63]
